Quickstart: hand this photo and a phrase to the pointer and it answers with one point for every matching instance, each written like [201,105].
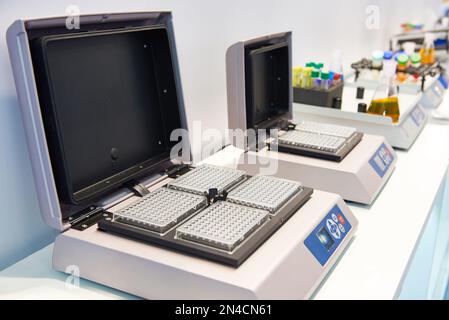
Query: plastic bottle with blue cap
[388,55]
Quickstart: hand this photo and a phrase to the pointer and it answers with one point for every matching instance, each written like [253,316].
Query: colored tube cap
[377,55]
[403,59]
[315,74]
[415,58]
[388,55]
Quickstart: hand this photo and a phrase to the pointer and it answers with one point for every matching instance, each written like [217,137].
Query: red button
[341,219]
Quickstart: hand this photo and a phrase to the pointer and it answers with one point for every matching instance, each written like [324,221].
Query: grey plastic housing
[319,98]
[18,38]
[236,79]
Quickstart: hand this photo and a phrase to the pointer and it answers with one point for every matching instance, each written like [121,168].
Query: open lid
[99,104]
[259,84]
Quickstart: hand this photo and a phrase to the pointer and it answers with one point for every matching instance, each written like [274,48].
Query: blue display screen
[325,238]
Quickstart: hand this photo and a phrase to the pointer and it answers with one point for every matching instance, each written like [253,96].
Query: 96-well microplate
[160,210]
[205,177]
[264,192]
[222,225]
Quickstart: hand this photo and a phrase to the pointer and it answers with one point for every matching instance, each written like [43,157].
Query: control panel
[381,160]
[327,235]
[418,115]
[443,81]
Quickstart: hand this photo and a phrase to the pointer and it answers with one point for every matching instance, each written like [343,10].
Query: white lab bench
[375,266]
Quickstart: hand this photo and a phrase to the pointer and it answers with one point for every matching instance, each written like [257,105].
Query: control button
[341,219]
[334,217]
[333,228]
[342,229]
[385,156]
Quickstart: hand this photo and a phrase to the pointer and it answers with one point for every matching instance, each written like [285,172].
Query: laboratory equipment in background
[427,51]
[434,42]
[399,132]
[372,103]
[322,88]
[385,99]
[413,76]
[433,48]
[411,27]
[333,158]
[130,215]
[442,23]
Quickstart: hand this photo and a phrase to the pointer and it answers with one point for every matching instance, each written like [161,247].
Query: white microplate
[222,225]
[160,210]
[326,128]
[264,192]
[205,177]
[311,140]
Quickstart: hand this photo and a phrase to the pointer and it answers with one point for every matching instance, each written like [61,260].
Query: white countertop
[373,267]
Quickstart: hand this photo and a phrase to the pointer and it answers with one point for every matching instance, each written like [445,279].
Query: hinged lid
[99,104]
[259,82]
